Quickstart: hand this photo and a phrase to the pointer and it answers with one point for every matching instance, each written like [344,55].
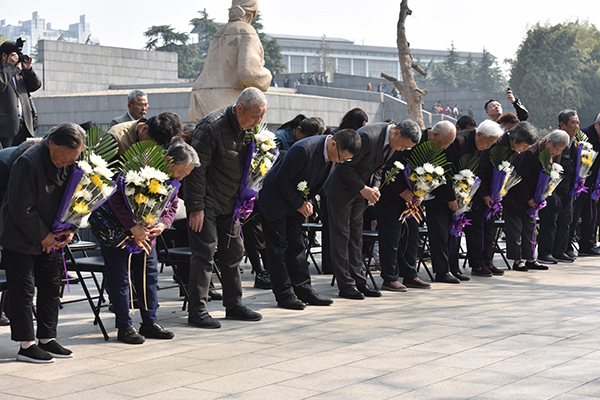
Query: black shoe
[351,292]
[562,257]
[213,294]
[495,271]
[416,283]
[368,292]
[4,321]
[203,320]
[263,281]
[291,303]
[446,278]
[574,254]
[481,271]
[155,331]
[536,265]
[312,298]
[460,276]
[594,251]
[34,354]
[242,313]
[55,349]
[520,266]
[130,335]
[546,259]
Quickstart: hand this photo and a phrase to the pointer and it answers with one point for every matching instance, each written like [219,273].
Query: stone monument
[235,61]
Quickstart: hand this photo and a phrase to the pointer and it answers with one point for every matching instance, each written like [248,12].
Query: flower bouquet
[389,177]
[260,159]
[90,184]
[504,178]
[464,183]
[146,187]
[427,161]
[585,158]
[549,178]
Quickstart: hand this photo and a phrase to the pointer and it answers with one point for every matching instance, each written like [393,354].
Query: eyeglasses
[340,159]
[142,105]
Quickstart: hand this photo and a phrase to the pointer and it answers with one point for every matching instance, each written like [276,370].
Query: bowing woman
[35,190]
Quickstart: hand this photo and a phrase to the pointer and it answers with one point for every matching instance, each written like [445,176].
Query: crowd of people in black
[333,175]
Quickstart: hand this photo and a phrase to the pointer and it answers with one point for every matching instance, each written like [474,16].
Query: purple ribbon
[458,223]
[578,187]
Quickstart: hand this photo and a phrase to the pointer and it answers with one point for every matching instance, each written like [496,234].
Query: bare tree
[407,87]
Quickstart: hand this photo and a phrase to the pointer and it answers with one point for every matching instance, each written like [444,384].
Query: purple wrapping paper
[244,201]
[596,189]
[579,185]
[538,196]
[495,188]
[70,189]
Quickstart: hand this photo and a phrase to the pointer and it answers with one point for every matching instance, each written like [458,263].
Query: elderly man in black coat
[35,191]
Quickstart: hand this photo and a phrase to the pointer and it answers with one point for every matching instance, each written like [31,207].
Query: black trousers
[398,242]
[480,236]
[25,273]
[554,225]
[444,247]
[519,229]
[286,256]
[585,208]
[224,231]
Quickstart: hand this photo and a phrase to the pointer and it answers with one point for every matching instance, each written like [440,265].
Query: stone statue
[235,61]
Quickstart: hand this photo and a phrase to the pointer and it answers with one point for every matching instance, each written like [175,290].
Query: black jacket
[27,81]
[222,147]
[592,135]
[35,190]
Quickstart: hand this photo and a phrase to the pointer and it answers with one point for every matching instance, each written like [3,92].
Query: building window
[360,67]
[344,66]
[296,64]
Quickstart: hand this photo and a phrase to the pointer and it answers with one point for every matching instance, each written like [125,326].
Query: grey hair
[565,116]
[489,128]
[183,154]
[444,128]
[558,137]
[251,97]
[598,118]
[410,130]
[134,94]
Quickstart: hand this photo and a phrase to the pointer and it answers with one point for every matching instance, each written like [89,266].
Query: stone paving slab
[528,335]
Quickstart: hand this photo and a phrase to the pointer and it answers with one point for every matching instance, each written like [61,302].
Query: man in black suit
[137,107]
[350,186]
[440,209]
[16,115]
[584,206]
[284,208]
[398,241]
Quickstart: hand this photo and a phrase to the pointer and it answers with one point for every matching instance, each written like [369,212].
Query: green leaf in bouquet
[102,144]
[467,161]
[260,127]
[499,154]
[546,160]
[581,136]
[146,154]
[427,152]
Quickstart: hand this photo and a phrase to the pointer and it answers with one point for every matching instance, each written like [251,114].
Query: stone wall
[77,68]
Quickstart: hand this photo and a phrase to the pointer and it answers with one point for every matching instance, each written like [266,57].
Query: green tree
[488,75]
[558,67]
[206,28]
[273,56]
[165,38]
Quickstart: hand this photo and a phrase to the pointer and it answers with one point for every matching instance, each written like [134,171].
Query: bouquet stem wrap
[579,185]
[539,199]
[498,179]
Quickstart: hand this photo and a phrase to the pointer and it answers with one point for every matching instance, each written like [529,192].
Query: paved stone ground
[521,336]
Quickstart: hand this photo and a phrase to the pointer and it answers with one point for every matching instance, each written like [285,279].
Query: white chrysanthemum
[435,182]
[302,186]
[557,167]
[268,163]
[98,161]
[129,191]
[107,190]
[163,190]
[586,146]
[438,170]
[261,138]
[467,173]
[457,177]
[470,181]
[85,180]
[270,135]
[131,176]
[399,165]
[78,194]
[265,147]
[105,172]
[85,194]
[420,170]
[85,167]
[428,167]
[555,175]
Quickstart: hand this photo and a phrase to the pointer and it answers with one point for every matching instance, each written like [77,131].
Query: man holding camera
[16,115]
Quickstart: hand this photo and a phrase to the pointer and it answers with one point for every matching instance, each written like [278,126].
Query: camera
[23,58]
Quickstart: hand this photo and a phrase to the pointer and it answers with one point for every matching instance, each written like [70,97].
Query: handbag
[106,227]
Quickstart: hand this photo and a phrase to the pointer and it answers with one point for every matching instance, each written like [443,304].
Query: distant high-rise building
[36,29]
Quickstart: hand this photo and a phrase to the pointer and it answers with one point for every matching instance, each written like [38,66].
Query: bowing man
[440,209]
[284,204]
[399,242]
[350,186]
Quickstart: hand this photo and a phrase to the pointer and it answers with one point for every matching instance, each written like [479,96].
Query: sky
[499,26]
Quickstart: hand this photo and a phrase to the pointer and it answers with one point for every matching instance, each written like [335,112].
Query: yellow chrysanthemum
[586,160]
[502,192]
[462,185]
[428,177]
[413,177]
[81,208]
[79,187]
[420,193]
[467,200]
[96,180]
[149,218]
[263,168]
[154,186]
[140,198]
